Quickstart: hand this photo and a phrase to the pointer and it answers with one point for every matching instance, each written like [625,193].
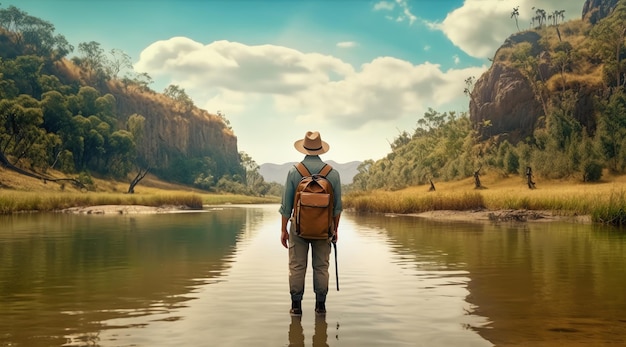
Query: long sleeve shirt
[314,164]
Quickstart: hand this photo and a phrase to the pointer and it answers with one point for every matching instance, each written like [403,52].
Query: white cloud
[456,59]
[274,89]
[403,13]
[479,27]
[311,85]
[406,11]
[347,44]
[384,5]
[265,69]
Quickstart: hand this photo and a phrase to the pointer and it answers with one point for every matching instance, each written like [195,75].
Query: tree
[608,36]
[562,60]
[255,184]
[178,94]
[528,66]
[611,130]
[541,16]
[118,62]
[92,59]
[33,35]
[24,72]
[469,85]
[142,81]
[21,119]
[141,173]
[515,14]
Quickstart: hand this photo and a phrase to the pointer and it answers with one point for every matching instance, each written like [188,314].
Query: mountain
[535,67]
[278,172]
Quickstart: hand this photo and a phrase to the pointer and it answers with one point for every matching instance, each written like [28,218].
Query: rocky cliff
[503,102]
[594,10]
[172,133]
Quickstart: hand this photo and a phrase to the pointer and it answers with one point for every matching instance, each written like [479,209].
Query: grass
[605,202]
[19,193]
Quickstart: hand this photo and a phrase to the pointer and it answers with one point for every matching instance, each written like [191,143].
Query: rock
[505,98]
[595,10]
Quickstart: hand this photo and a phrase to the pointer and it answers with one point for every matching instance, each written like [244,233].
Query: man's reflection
[320,335]
[320,338]
[296,334]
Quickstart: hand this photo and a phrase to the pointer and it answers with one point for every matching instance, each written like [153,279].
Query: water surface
[219,278]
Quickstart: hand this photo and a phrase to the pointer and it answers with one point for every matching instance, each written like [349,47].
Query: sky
[358,71]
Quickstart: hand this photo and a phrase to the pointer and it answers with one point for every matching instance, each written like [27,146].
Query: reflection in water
[296,333]
[320,336]
[78,272]
[541,284]
[219,278]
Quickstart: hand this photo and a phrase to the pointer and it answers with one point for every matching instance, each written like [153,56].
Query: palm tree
[515,14]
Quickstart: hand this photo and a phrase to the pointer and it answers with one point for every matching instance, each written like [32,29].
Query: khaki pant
[298,257]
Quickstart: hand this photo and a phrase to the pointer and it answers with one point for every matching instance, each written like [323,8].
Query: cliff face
[504,97]
[504,100]
[171,133]
[594,10]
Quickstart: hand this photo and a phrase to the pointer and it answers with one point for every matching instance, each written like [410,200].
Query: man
[312,146]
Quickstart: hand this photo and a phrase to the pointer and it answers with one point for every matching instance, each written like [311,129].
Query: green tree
[179,95]
[528,66]
[121,152]
[254,181]
[24,72]
[21,119]
[608,37]
[611,130]
[92,59]
[33,35]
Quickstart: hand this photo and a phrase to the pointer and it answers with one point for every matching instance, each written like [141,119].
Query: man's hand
[284,238]
[335,237]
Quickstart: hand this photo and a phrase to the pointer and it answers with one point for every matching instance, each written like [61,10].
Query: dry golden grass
[600,200]
[22,193]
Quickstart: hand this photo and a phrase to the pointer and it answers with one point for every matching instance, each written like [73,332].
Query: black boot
[320,307]
[296,308]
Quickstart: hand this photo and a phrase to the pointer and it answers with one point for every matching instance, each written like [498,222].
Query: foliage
[179,95]
[437,149]
[50,118]
[608,44]
[562,68]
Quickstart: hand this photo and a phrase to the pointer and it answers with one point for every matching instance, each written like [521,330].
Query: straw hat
[311,144]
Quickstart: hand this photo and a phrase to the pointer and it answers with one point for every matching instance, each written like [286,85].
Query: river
[219,278]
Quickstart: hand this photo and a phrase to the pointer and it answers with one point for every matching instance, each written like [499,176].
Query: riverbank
[441,215]
[503,199]
[502,216]
[19,193]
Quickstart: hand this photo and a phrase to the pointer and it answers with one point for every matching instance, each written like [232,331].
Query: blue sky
[358,71]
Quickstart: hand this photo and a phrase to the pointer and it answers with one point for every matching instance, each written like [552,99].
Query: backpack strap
[304,172]
[325,170]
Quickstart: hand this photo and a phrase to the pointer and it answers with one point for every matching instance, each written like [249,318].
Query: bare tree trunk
[432,186]
[529,175]
[140,175]
[477,184]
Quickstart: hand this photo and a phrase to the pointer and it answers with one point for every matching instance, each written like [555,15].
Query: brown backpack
[313,204]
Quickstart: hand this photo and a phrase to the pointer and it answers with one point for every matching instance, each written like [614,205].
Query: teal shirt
[314,164]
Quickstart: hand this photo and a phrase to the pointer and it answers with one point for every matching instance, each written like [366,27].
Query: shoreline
[127,209]
[510,215]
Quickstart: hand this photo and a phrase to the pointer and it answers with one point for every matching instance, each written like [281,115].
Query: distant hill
[278,172]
